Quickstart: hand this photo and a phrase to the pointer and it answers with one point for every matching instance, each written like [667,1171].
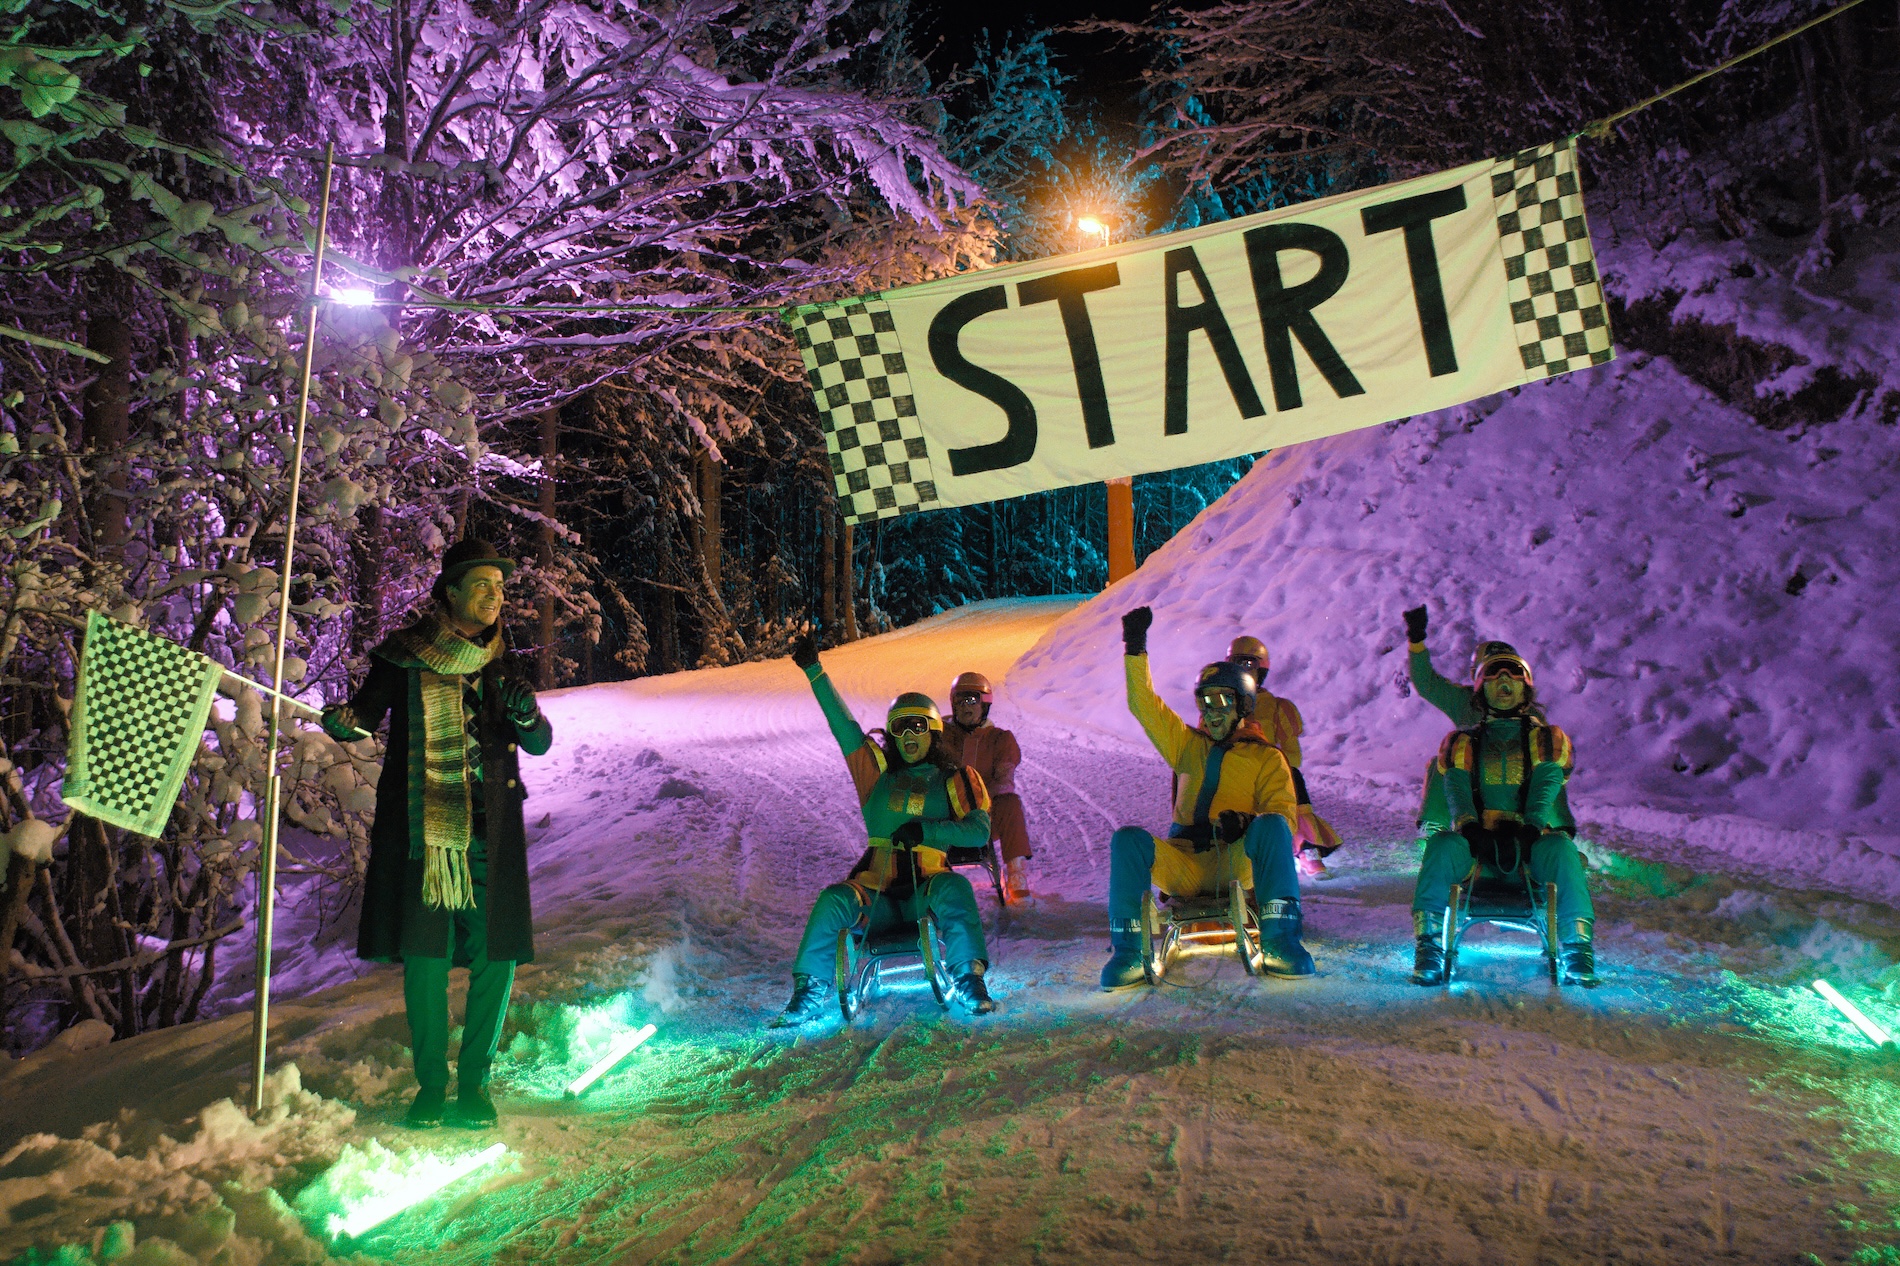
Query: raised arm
[844,726]
[1164,728]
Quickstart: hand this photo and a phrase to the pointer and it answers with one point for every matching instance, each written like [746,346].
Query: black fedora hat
[464,556]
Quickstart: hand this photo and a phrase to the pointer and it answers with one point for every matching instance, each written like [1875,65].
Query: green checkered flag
[138,718]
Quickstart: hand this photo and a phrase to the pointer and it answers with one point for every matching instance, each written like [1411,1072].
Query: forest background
[693,166]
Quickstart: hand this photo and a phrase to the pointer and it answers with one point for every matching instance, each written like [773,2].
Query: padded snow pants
[946,895]
[1137,859]
[1008,825]
[425,992]
[1553,860]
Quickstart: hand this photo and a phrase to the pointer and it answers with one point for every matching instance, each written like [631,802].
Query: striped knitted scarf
[446,658]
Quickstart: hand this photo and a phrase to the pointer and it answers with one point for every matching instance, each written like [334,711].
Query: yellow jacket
[1277,722]
[1254,777]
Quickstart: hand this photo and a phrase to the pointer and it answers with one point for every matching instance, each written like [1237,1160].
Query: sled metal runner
[866,958]
[1508,899]
[1223,916]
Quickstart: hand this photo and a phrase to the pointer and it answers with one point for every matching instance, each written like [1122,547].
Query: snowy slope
[1709,605]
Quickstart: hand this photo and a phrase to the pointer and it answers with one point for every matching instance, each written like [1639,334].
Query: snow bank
[125,1192]
[1708,604]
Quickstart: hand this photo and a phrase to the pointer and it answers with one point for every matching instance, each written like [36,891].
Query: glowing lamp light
[1875,1034]
[1089,224]
[621,1048]
[355,298]
[416,1188]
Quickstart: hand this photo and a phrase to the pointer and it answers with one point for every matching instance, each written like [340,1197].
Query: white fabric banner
[1207,344]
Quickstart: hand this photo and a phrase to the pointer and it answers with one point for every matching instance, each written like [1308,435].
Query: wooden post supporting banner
[1121,528]
[267,872]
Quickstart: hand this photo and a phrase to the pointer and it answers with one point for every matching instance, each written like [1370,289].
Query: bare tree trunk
[666,645]
[711,483]
[550,449]
[848,564]
[19,883]
[108,423]
[367,550]
[828,551]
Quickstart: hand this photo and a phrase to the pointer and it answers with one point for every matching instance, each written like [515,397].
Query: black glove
[1475,835]
[517,699]
[1415,624]
[1233,825]
[1527,834]
[909,835]
[805,650]
[1135,630]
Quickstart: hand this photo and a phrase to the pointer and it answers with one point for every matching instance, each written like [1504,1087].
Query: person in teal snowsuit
[1502,779]
[917,805]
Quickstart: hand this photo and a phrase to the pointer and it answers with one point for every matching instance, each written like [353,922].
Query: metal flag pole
[267,875]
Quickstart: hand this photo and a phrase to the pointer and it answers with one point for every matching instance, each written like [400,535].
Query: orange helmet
[1246,647]
[970,684]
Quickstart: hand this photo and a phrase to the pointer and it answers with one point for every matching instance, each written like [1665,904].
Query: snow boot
[969,990]
[425,1110]
[1577,961]
[1428,955]
[1124,968]
[810,998]
[473,1109]
[1280,940]
[1016,878]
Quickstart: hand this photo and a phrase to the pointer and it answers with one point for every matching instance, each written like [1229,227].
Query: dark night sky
[1104,72]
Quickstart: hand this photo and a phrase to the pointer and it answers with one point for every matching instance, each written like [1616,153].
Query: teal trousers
[425,992]
[1553,859]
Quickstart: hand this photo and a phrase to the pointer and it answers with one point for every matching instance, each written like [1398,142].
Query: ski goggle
[1504,666]
[1249,663]
[910,725]
[1217,700]
[966,698]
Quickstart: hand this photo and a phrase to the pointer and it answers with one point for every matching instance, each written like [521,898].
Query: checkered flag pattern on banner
[138,717]
[1550,271]
[865,408]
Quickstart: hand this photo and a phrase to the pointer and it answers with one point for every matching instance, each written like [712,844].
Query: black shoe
[425,1110]
[810,999]
[473,1109]
[1579,964]
[970,990]
[1428,961]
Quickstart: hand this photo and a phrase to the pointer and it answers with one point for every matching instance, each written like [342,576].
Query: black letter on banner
[1068,289]
[1289,310]
[1018,444]
[1415,216]
[1205,315]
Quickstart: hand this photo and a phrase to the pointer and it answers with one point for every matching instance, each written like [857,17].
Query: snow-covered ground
[1700,1105]
[1709,607]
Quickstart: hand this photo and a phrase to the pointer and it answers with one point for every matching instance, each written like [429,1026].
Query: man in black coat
[448,862]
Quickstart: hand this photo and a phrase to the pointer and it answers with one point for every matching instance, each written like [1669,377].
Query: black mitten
[1415,621]
[1475,835]
[909,835]
[1233,825]
[805,650]
[517,699]
[1135,630]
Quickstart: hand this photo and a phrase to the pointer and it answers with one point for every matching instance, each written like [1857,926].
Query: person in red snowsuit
[972,739]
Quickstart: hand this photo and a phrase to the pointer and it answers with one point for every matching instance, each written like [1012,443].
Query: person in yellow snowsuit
[1228,786]
[1277,722]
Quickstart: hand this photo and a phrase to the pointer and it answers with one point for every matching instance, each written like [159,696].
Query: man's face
[475,600]
[912,735]
[1504,691]
[968,710]
[1220,712]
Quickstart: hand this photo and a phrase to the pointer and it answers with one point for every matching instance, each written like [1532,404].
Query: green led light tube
[622,1047]
[1875,1034]
[377,1210]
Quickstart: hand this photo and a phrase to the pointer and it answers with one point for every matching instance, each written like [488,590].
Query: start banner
[1207,344]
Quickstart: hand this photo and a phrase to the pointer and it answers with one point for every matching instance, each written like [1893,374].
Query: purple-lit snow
[1701,1105]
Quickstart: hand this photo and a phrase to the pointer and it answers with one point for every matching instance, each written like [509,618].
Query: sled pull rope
[1601,128]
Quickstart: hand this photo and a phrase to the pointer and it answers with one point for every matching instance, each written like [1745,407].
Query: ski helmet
[1506,661]
[971,684]
[1228,676]
[913,703]
[1251,648]
[1484,650]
